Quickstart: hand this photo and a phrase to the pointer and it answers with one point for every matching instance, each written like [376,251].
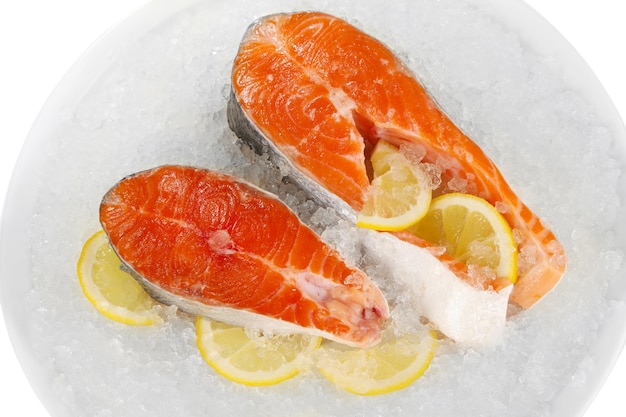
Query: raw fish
[221,248]
[317,94]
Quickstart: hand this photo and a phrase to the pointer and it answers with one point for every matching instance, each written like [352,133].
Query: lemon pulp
[111,290]
[472,231]
[400,192]
[253,360]
[393,364]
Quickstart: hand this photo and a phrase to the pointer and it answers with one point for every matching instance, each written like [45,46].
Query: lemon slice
[253,360]
[112,291]
[399,194]
[472,231]
[391,365]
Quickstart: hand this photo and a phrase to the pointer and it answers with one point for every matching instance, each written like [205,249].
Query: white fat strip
[314,286]
[342,102]
[468,315]
[221,242]
[349,302]
[235,316]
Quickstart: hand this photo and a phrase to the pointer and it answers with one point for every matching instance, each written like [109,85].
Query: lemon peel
[400,192]
[112,291]
[393,364]
[472,231]
[256,360]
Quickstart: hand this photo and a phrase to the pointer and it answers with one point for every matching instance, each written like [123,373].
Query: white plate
[21,203]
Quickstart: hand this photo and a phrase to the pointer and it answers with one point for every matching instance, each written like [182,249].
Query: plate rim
[572,400]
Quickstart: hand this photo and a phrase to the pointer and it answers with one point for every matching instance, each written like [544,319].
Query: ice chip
[458,185]
[414,152]
[434,175]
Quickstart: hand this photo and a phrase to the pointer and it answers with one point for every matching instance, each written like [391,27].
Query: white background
[40,40]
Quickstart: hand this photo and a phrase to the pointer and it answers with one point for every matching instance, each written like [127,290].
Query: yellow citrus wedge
[253,360]
[112,291]
[400,192]
[393,364]
[472,231]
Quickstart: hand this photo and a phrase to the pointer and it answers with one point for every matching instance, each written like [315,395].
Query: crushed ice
[162,100]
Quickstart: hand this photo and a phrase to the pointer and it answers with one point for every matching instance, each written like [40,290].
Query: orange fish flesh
[219,247]
[320,93]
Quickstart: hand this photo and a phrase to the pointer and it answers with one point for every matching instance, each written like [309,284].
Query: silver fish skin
[150,216]
[250,135]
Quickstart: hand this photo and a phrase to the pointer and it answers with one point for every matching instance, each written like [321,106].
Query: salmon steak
[218,247]
[317,93]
